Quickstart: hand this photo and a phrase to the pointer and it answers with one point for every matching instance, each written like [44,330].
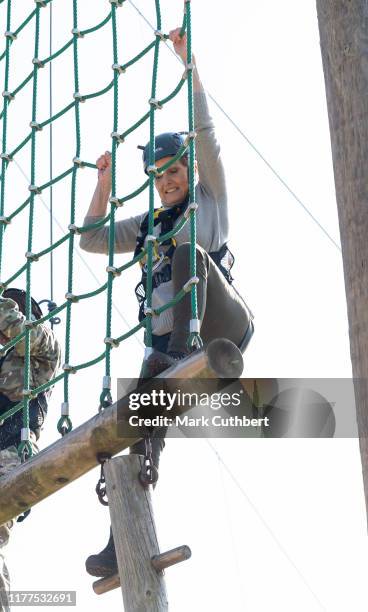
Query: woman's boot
[104,563]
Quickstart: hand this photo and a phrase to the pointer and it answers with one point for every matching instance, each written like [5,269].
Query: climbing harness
[161,267]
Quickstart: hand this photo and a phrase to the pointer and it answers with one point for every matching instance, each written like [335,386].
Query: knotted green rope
[64,423]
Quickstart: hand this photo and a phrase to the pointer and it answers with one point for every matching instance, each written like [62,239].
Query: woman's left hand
[180,43]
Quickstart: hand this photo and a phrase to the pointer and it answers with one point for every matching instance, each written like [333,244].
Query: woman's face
[172,186]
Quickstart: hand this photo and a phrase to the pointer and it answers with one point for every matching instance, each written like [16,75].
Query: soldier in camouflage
[45,361]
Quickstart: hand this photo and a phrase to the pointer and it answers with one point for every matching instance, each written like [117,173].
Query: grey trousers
[222,311]
[223,314]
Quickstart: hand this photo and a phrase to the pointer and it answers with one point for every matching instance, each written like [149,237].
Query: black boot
[105,563]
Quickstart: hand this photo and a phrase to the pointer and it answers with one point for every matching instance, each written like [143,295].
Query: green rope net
[6,217]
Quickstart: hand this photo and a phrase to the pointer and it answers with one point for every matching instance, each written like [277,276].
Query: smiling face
[172,186]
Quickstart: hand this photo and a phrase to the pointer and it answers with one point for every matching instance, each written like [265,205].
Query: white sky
[261,62]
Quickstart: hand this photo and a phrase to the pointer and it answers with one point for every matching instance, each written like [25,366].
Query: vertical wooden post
[134,532]
[343,29]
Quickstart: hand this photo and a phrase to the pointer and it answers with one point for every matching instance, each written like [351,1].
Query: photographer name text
[187,421]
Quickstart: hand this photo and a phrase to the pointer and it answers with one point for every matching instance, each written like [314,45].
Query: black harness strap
[166,217]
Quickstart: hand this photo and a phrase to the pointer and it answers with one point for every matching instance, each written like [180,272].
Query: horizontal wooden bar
[104,585]
[159,562]
[171,557]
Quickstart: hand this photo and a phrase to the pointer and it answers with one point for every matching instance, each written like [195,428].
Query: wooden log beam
[76,453]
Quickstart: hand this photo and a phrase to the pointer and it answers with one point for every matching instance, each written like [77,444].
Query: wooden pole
[343,30]
[77,452]
[135,538]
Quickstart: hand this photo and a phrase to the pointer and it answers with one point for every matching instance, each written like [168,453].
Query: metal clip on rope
[149,472]
[101,484]
[51,306]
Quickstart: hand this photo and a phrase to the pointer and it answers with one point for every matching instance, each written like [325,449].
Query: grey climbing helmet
[166,144]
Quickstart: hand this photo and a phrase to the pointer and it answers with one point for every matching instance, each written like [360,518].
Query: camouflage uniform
[45,361]
[45,352]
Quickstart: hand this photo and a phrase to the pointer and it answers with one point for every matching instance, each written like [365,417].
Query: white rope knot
[25,433]
[31,256]
[114,200]
[118,68]
[10,35]
[8,95]
[154,102]
[194,326]
[77,33]
[192,206]
[116,136]
[78,97]
[29,324]
[69,368]
[34,189]
[106,382]
[112,342]
[5,220]
[71,297]
[35,126]
[64,409]
[160,34]
[190,136]
[148,351]
[114,271]
[37,62]
[78,162]
[192,281]
[28,393]
[153,170]
[6,156]
[74,229]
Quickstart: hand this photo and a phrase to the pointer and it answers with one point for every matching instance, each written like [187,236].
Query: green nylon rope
[151,186]
[5,125]
[25,448]
[194,340]
[64,424]
[105,398]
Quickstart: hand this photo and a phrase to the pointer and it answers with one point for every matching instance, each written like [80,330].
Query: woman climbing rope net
[222,311]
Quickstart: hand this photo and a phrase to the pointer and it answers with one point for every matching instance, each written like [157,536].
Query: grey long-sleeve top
[212,213]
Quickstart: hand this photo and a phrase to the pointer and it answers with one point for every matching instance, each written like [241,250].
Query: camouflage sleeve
[44,345]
